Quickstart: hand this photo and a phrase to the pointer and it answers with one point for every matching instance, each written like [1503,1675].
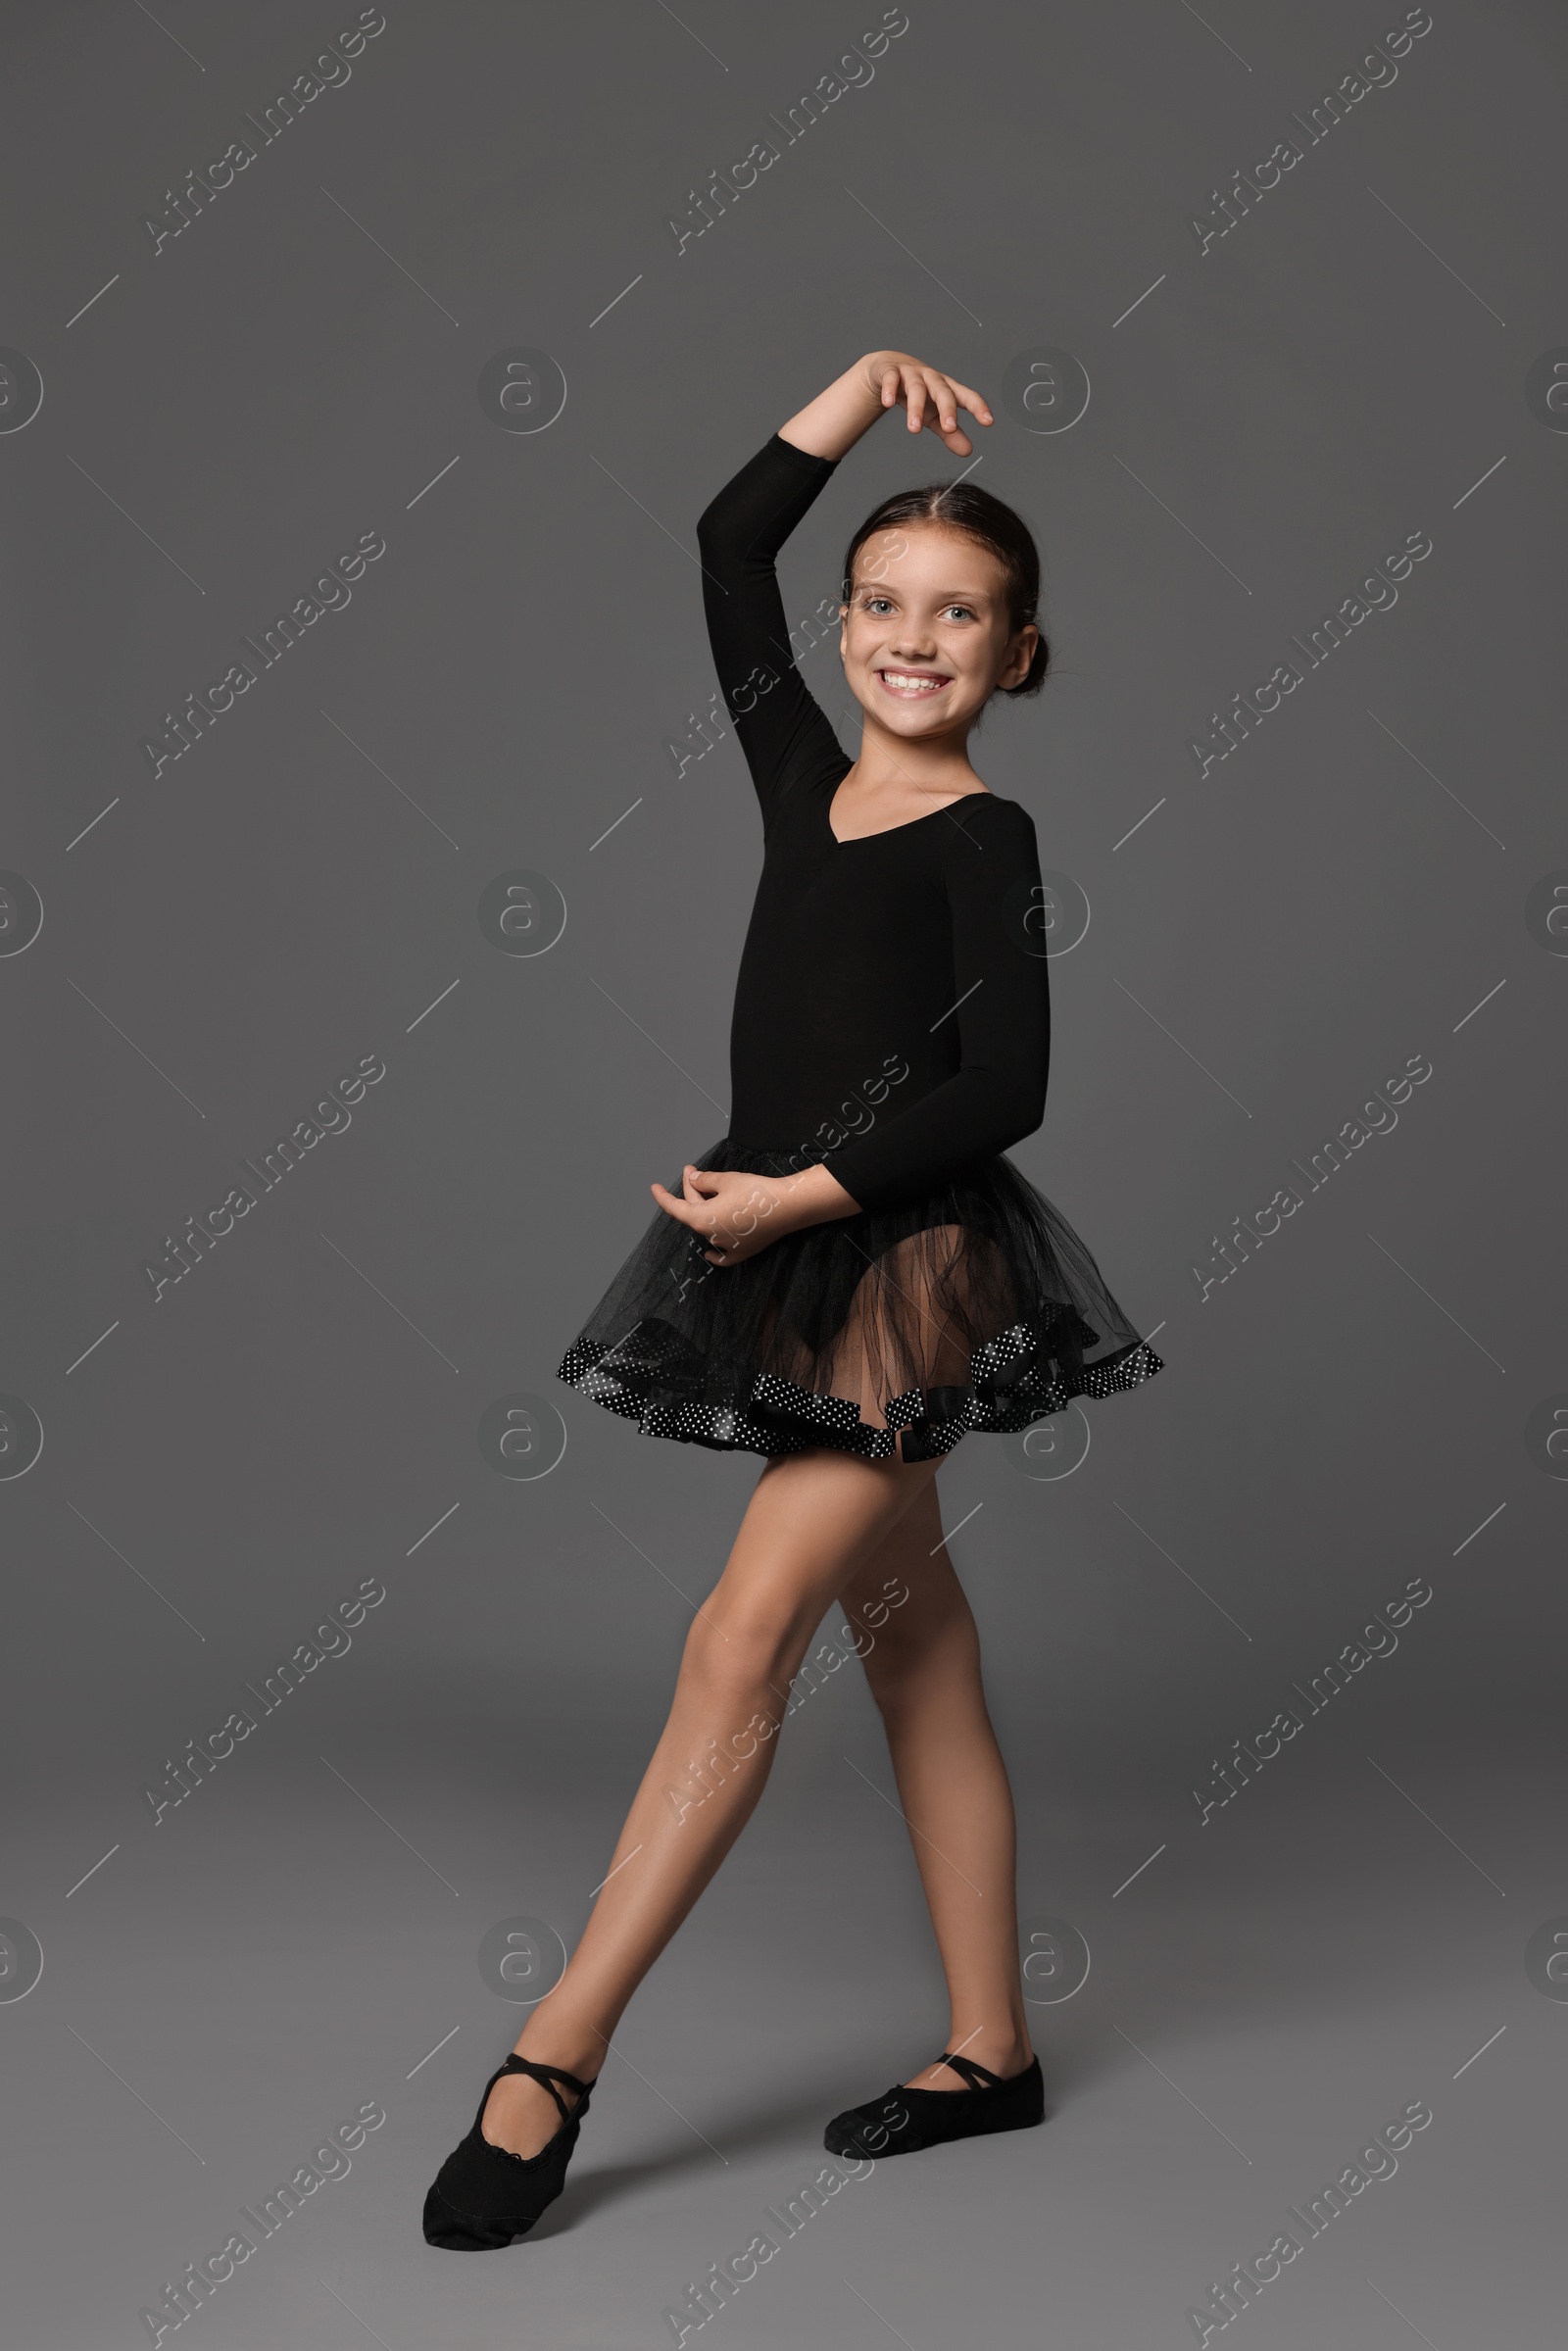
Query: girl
[852,1280]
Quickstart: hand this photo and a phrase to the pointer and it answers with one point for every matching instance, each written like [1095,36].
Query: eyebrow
[947,596]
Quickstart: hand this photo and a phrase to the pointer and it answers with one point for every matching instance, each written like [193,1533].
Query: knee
[738,1654]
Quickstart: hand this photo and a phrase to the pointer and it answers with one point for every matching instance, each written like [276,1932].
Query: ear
[1023,653]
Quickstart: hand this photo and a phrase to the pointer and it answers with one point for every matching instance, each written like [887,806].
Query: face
[926,637]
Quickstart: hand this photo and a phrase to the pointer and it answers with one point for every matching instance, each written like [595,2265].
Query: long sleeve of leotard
[783,732]
[1001,1001]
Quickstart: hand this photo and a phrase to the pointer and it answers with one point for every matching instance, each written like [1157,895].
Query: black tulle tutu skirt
[974,1308]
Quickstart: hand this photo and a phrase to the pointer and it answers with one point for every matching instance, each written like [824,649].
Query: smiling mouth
[914,685]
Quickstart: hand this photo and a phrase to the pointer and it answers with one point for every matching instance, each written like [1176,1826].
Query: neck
[935,763]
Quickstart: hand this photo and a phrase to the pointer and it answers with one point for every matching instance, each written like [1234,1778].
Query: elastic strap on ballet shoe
[549,2076]
[977,2077]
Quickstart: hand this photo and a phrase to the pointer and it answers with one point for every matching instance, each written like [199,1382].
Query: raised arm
[783,732]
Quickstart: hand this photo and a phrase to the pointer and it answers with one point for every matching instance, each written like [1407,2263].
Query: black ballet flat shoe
[484,2196]
[905,2121]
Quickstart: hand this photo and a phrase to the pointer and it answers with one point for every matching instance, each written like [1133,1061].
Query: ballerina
[851,1280]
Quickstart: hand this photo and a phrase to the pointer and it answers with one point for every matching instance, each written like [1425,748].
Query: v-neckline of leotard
[985,793]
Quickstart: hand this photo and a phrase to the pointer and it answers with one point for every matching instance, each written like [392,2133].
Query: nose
[915,643]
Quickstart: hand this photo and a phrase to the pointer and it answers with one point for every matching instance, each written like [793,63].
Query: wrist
[815,1197]
[829,425]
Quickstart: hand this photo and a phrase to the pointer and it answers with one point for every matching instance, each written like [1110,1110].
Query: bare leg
[813,1520]
[923,1667]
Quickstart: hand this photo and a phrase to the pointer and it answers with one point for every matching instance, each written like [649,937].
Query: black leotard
[914,950]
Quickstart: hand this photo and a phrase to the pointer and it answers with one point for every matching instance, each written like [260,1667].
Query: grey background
[302,1410]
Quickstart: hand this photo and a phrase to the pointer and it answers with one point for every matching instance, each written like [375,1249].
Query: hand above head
[831,423]
[931,398]
[740,1214]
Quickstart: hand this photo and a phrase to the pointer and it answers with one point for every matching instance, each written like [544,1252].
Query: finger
[945,401]
[942,418]
[915,397]
[889,386]
[972,400]
[681,1211]
[951,436]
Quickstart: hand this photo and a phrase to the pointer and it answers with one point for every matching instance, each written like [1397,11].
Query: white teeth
[903,683]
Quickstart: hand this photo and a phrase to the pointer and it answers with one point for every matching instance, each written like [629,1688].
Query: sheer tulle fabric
[974,1308]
